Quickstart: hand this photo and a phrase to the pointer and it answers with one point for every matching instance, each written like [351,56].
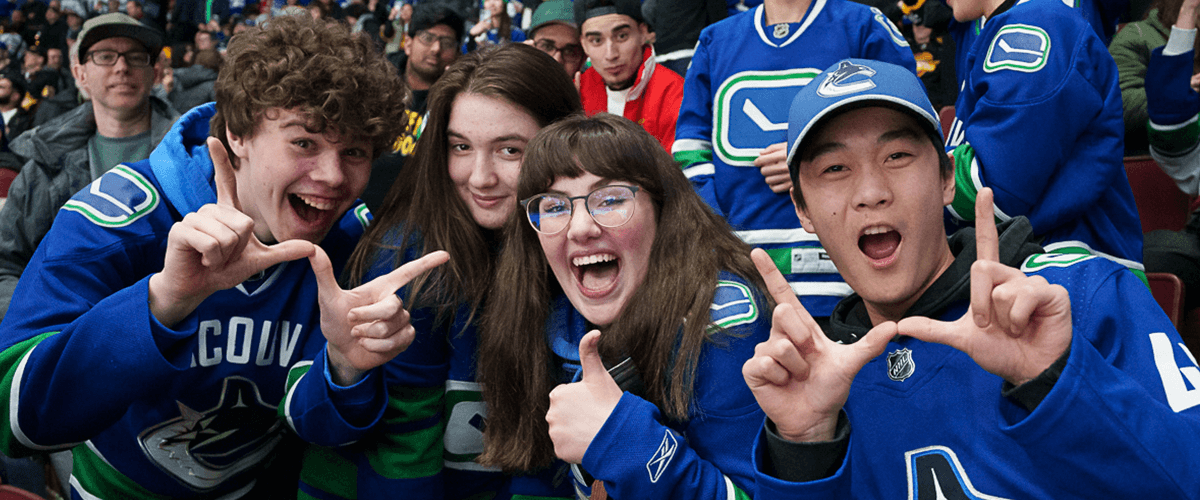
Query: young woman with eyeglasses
[611,237]
[454,194]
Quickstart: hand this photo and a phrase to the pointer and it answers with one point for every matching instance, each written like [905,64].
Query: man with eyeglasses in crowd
[122,122]
[434,40]
[553,31]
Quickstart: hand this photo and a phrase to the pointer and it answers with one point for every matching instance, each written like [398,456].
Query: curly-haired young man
[163,329]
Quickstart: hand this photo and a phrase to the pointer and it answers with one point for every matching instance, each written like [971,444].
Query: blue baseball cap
[857,83]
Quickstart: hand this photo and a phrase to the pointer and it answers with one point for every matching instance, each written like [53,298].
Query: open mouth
[879,242]
[310,209]
[597,274]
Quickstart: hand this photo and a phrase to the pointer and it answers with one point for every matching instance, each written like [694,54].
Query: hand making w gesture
[800,378]
[1017,325]
[213,248]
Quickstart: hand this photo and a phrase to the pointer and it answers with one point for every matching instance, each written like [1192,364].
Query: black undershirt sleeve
[802,462]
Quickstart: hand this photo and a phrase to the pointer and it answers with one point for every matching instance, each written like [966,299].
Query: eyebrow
[503,138]
[603,182]
[891,135]
[614,30]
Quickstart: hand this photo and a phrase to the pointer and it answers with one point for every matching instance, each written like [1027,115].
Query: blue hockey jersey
[154,412]
[1174,108]
[637,453]
[1038,120]
[1120,421]
[736,97]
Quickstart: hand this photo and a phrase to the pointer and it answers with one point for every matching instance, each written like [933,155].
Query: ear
[408,46]
[801,213]
[949,186]
[238,144]
[79,74]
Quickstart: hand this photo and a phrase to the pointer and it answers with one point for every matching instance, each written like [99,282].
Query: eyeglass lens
[569,51]
[109,57]
[609,206]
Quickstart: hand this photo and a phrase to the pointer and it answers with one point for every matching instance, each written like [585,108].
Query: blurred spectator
[924,26]
[554,32]
[677,25]
[34,61]
[1131,49]
[400,16]
[434,35]
[70,151]
[54,34]
[495,26]
[193,85]
[12,91]
[332,9]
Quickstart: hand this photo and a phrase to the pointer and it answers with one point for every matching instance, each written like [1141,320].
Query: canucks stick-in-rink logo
[1018,47]
[900,365]
[202,448]
[750,112]
[662,457]
[849,78]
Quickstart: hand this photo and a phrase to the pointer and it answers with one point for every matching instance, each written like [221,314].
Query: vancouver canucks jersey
[1174,109]
[155,412]
[736,96]
[1038,120]
[1121,421]
[637,453]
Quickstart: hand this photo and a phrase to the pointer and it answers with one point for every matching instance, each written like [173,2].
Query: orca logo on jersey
[849,78]
[1018,47]
[203,449]
[662,457]
[750,112]
[116,199]
[934,473]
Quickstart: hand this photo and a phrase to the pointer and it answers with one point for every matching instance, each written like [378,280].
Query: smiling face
[874,196]
[487,138]
[120,88]
[614,42]
[296,184]
[600,268]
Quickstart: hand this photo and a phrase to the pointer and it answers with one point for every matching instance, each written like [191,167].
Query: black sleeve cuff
[1031,393]
[802,462]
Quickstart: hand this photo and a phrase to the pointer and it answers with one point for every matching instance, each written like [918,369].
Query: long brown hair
[664,324]
[423,212]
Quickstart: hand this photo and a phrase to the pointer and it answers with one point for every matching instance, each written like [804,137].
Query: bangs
[577,145]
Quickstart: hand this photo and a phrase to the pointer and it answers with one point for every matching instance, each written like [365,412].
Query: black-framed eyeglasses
[609,206]
[134,58]
[447,42]
[570,51]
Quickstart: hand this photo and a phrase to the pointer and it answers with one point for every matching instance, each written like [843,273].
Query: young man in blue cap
[733,119]
[974,367]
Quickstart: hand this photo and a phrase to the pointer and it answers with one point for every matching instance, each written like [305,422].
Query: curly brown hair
[335,76]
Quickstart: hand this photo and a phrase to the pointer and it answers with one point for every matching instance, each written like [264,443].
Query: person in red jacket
[624,79]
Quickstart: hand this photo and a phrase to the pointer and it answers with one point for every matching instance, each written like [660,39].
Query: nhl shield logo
[900,365]
[781,30]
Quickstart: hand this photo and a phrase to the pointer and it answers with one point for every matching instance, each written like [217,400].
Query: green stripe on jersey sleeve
[693,156]
[418,452]
[10,360]
[1174,140]
[964,187]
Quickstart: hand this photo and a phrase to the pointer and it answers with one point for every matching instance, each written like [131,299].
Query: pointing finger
[390,282]
[223,174]
[987,242]
[777,286]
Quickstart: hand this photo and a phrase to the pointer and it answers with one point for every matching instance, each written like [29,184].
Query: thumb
[323,269]
[589,358]
[931,330]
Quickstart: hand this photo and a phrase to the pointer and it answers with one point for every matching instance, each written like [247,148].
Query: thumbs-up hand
[212,249]
[367,326]
[800,378]
[1017,325]
[578,410]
